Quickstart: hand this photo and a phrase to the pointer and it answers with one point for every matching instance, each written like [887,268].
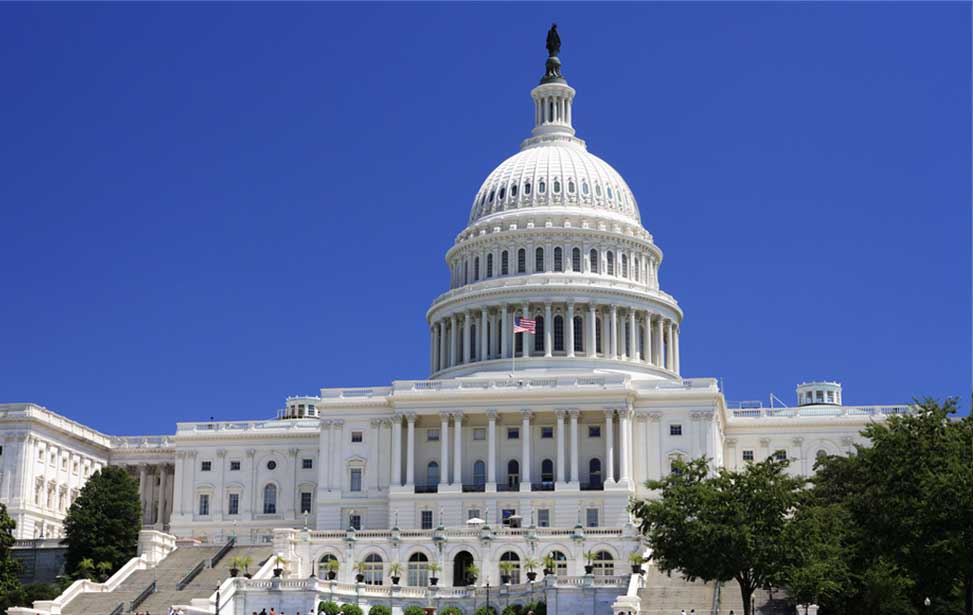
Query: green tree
[815,569]
[103,523]
[9,567]
[727,526]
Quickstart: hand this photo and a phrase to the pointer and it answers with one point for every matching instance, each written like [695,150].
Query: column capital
[444,416]
[376,422]
[293,451]
[798,441]
[457,415]
[410,417]
[655,417]
[526,414]
[251,452]
[730,442]
[326,423]
[574,413]
[492,414]
[388,421]
[221,453]
[339,422]
[561,412]
[610,412]
[765,442]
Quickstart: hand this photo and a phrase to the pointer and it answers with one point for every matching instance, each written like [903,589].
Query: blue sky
[206,208]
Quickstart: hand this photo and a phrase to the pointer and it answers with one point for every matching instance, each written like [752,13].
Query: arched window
[558,333]
[598,189]
[418,570]
[513,473]
[539,334]
[466,272]
[547,471]
[571,186]
[593,257]
[513,190]
[584,188]
[479,472]
[522,261]
[558,262]
[627,333]
[325,565]
[604,564]
[476,268]
[432,474]
[576,259]
[491,196]
[472,342]
[560,563]
[594,471]
[504,263]
[624,265]
[489,271]
[539,259]
[557,186]
[578,334]
[270,499]
[513,569]
[527,188]
[674,463]
[374,569]
[609,193]
[541,187]
[610,258]
[821,453]
[503,192]
[597,335]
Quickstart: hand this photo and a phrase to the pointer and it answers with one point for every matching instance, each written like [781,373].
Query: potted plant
[506,571]
[245,561]
[531,565]
[360,568]
[279,563]
[636,560]
[332,566]
[589,556]
[433,569]
[395,570]
[549,564]
[234,566]
[472,572]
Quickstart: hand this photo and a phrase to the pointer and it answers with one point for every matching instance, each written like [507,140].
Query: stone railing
[818,411]
[42,414]
[141,442]
[458,532]
[212,427]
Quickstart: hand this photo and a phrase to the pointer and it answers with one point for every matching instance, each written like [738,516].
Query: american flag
[524,325]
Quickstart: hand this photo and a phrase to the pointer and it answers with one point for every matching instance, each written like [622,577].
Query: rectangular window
[547,432]
[305,502]
[479,433]
[473,513]
[234,466]
[356,479]
[432,435]
[748,455]
[505,515]
[513,433]
[64,463]
[780,455]
[591,517]
[307,464]
[426,520]
[203,505]
[544,518]
[594,431]
[233,506]
[356,436]
[355,521]
[675,430]
[206,466]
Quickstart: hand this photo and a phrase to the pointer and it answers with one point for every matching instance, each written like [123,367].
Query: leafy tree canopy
[9,567]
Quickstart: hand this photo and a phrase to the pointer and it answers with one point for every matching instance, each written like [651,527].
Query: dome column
[614,332]
[548,331]
[675,348]
[633,337]
[432,348]
[575,454]
[526,336]
[453,342]
[592,333]
[657,339]
[609,476]
[442,344]
[466,337]
[569,342]
[484,338]
[504,331]
[525,435]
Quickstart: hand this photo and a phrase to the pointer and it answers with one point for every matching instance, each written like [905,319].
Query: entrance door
[461,562]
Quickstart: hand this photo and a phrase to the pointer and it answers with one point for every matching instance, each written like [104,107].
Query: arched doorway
[461,562]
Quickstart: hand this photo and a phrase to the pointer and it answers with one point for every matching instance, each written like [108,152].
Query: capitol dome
[554,272]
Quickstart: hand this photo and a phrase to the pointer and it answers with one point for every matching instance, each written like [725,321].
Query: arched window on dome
[476,269]
[541,187]
[539,334]
[578,334]
[522,260]
[624,265]
[558,260]
[504,263]
[539,260]
[609,193]
[558,333]
[527,188]
[627,333]
[576,259]
[641,337]
[570,186]
[584,188]
[557,186]
[513,190]
[597,335]
[489,268]
[491,196]
[597,189]
[503,193]
[610,258]
[593,259]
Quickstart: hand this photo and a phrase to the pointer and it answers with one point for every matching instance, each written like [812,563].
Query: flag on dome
[524,325]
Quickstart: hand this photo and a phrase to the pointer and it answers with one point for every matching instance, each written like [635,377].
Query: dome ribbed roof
[561,174]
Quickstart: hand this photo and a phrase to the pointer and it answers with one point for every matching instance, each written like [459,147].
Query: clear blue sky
[206,208]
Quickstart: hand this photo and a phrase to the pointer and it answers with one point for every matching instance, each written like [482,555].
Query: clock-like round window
[271,464]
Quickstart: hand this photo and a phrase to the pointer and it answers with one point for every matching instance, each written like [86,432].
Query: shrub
[351,609]
[451,610]
[513,609]
[328,608]
[417,610]
[484,610]
[380,609]
[539,608]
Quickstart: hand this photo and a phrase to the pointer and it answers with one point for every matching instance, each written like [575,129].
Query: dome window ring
[527,188]
[597,189]
[541,187]
[513,190]
[557,187]
[503,192]
[571,186]
[491,196]
[584,188]
[609,193]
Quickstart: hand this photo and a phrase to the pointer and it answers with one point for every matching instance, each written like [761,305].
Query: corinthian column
[569,342]
[560,446]
[443,449]
[609,477]
[458,448]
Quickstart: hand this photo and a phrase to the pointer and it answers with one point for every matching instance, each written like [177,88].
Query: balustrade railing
[819,411]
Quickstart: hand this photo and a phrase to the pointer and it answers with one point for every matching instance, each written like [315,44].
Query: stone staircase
[731,600]
[669,595]
[167,574]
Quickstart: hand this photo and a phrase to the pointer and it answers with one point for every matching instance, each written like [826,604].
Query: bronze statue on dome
[552,72]
[553,42]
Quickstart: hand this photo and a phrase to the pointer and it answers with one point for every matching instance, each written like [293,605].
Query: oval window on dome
[584,187]
[609,189]
[557,187]
[541,187]
[598,189]
[503,191]
[571,186]
[527,188]
[513,190]
[491,196]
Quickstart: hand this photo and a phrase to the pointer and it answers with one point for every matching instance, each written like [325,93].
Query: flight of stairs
[669,595]
[167,575]
[731,600]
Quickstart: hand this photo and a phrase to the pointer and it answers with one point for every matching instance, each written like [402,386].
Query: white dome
[557,173]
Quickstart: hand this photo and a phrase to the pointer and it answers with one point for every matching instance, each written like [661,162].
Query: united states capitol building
[517,446]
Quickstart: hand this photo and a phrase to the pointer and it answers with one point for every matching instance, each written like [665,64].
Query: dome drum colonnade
[591,282]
